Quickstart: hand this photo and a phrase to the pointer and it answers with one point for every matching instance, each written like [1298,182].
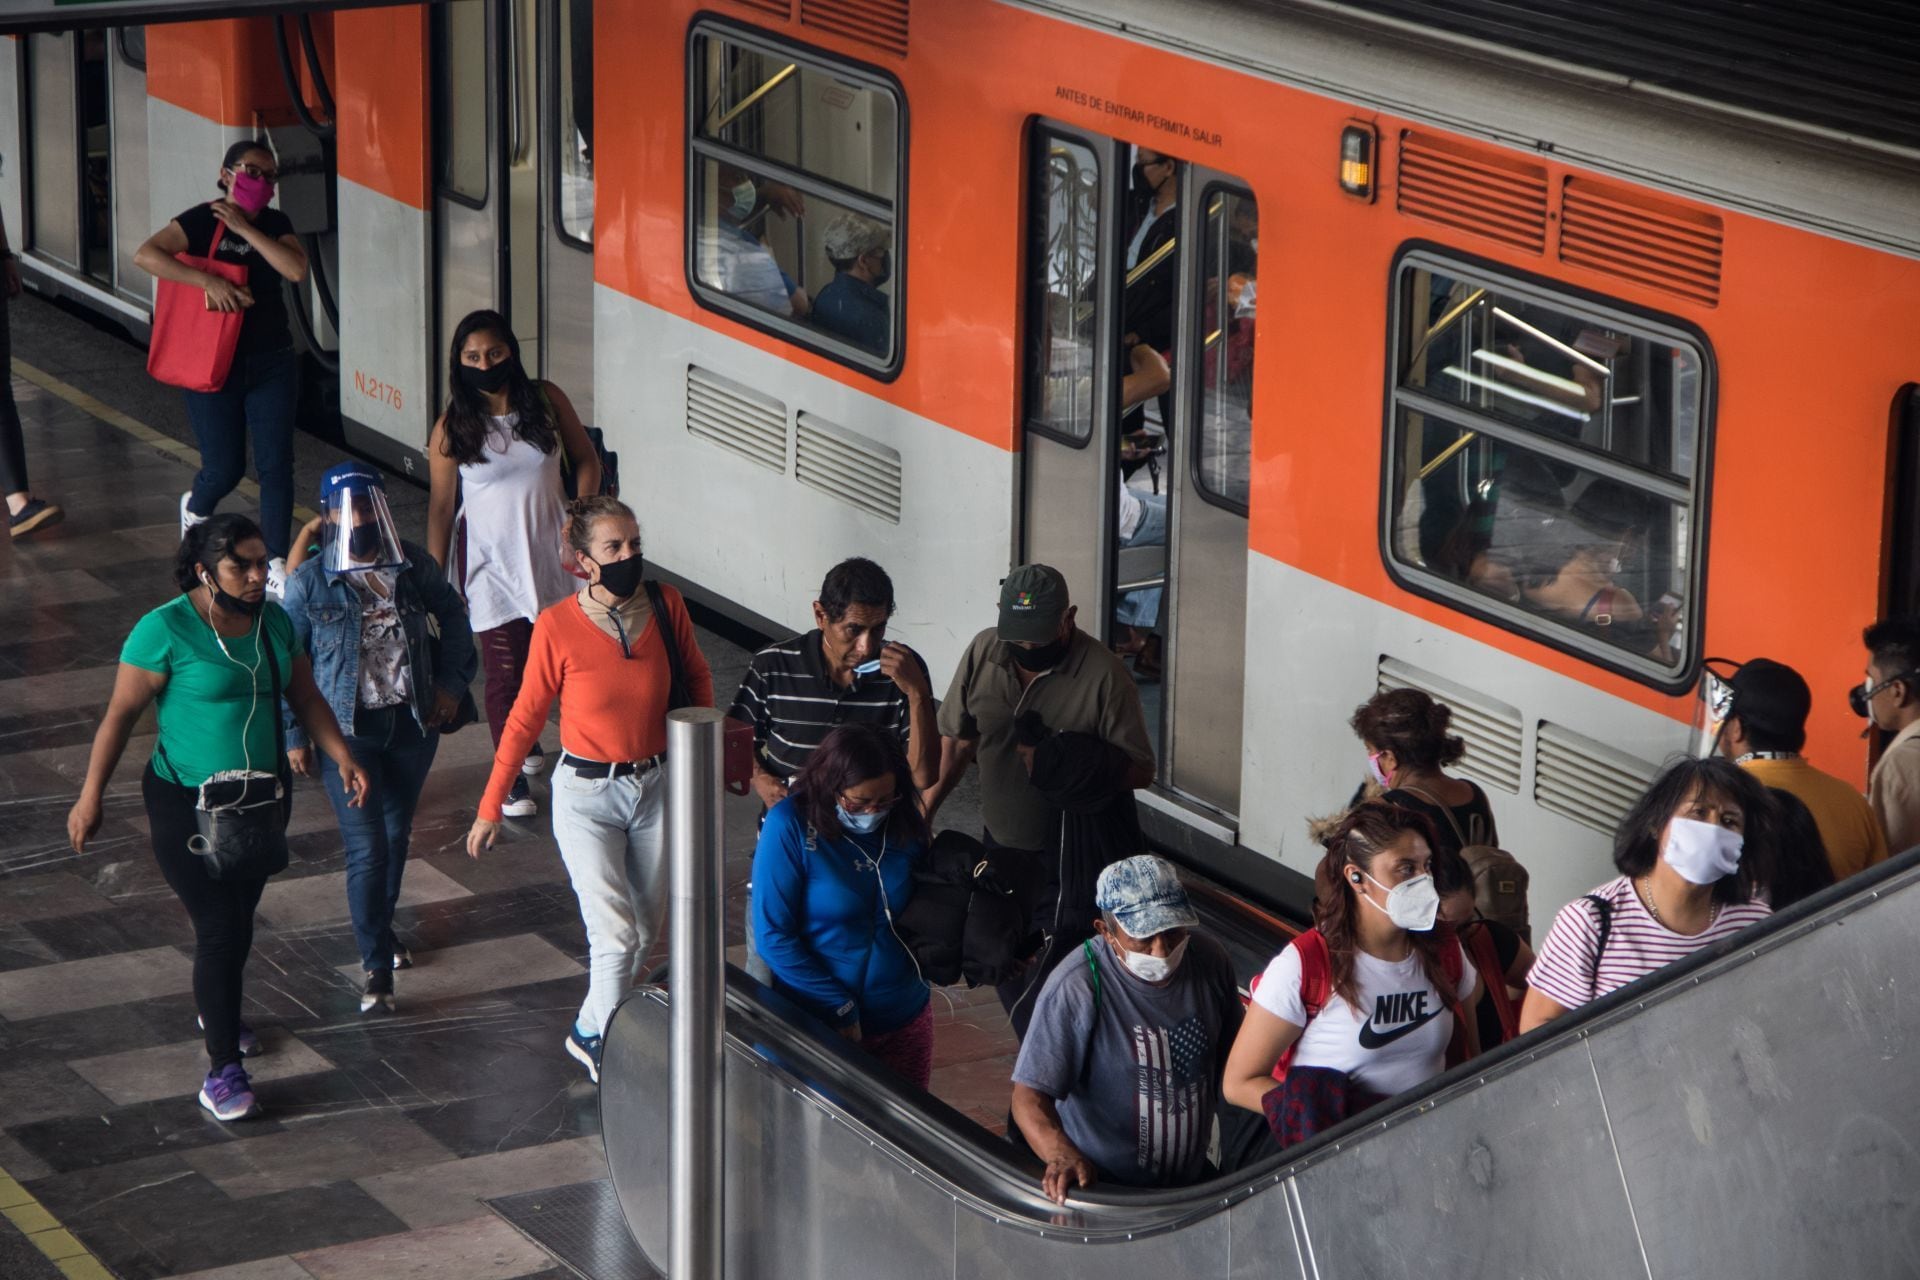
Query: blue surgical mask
[864,824]
[744,198]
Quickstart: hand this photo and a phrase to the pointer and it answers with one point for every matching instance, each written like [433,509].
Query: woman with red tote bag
[220,332]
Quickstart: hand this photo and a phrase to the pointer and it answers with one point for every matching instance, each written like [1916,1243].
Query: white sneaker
[277,578]
[536,760]
[187,518]
[519,802]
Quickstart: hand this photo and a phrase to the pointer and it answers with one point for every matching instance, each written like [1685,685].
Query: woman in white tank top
[495,456]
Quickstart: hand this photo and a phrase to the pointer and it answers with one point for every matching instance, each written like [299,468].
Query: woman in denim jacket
[361,607]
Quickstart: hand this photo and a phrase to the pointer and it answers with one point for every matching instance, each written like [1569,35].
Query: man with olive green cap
[1034,664]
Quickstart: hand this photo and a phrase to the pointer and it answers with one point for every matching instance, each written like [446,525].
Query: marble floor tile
[19,1163]
[280,1268]
[451,1192]
[90,984]
[517,1118]
[63,586]
[143,1130]
[171,1070]
[131,926]
[46,894]
[476,966]
[481,1248]
[312,1152]
[44,1090]
[322,900]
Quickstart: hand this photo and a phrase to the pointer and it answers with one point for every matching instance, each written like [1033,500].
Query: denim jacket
[326,610]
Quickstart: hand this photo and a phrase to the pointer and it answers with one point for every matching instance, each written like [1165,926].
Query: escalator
[1749,1112]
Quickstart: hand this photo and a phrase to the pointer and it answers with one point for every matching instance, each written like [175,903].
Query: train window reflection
[573,118]
[794,195]
[1544,465]
[460,113]
[1229,283]
[1064,261]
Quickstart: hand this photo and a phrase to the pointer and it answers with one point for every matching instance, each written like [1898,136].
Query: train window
[1542,464]
[794,194]
[1063,262]
[573,119]
[133,46]
[460,114]
[1229,284]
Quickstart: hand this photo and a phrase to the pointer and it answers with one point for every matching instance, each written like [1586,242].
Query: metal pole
[696,983]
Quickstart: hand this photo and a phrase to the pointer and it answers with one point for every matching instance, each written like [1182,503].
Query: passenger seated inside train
[734,258]
[1694,856]
[1118,1077]
[852,305]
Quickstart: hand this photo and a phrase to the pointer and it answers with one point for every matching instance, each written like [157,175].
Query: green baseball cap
[1032,600]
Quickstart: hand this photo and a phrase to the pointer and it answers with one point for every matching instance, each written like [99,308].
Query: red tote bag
[192,346]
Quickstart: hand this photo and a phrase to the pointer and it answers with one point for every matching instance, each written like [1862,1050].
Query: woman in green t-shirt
[200,658]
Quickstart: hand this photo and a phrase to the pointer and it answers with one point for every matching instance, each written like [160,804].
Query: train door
[1139,339]
[565,144]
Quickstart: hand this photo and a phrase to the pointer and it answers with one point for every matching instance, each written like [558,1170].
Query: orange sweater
[612,707]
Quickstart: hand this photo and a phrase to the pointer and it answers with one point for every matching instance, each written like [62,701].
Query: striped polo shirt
[792,703]
[1564,971]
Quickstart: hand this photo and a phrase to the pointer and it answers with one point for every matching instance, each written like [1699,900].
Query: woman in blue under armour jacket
[833,868]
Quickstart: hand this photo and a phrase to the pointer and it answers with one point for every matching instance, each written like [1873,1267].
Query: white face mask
[745,196]
[1153,968]
[1701,852]
[1412,904]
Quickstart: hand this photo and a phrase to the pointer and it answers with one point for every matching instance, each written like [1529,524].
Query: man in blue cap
[360,602]
[1119,1074]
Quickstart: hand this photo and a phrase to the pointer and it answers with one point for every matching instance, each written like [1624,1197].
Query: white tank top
[516,517]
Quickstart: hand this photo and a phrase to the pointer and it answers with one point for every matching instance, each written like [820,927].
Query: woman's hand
[232,214]
[851,1032]
[445,707]
[300,760]
[83,822]
[353,779]
[481,836]
[224,295]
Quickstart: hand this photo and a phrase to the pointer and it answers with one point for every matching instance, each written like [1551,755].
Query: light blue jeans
[612,836]
[1142,608]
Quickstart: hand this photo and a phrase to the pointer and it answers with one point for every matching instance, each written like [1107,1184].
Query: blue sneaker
[586,1051]
[250,1046]
[228,1094]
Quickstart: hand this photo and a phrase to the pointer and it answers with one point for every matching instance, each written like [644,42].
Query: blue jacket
[326,617]
[820,923]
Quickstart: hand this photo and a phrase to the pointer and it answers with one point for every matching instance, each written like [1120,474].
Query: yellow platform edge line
[61,1247]
[132,426]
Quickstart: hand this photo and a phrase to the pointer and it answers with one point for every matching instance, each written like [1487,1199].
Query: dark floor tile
[46,894]
[89,1033]
[45,1090]
[134,927]
[506,1121]
[129,1133]
[20,948]
[455,1051]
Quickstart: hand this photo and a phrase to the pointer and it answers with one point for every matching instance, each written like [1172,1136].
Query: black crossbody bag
[242,813]
[679,693]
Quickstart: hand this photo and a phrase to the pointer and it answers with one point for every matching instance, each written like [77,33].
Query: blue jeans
[396,756]
[258,400]
[1142,608]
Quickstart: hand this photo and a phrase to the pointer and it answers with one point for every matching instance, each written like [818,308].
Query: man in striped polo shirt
[844,671]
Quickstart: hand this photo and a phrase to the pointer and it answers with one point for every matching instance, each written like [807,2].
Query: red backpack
[1316,985]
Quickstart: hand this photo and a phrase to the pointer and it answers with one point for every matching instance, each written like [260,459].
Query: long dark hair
[467,414]
[1800,854]
[847,757]
[1368,829]
[1636,845]
[207,544]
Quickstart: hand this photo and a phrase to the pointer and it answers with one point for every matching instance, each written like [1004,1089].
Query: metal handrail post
[696,984]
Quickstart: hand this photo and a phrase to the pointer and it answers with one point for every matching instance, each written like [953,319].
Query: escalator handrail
[976,1168]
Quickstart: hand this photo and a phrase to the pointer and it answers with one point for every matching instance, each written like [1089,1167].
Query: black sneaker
[402,958]
[37,514]
[379,991]
[519,803]
[586,1051]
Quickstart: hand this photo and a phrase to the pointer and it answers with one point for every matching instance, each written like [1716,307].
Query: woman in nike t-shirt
[1361,1006]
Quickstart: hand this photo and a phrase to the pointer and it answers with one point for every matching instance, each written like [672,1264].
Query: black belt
[621,769]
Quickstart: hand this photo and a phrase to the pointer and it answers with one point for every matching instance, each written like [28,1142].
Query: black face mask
[621,578]
[364,542]
[232,604]
[886,268]
[1042,657]
[489,381]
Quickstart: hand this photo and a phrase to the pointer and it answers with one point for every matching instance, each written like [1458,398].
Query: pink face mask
[249,192]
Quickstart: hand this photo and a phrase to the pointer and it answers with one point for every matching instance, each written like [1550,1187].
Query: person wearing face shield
[1693,854]
[1118,1077]
[832,871]
[852,305]
[619,655]
[1363,1005]
[1890,699]
[257,401]
[361,605]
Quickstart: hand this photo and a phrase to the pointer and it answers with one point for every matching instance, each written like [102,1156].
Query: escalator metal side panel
[987,1250]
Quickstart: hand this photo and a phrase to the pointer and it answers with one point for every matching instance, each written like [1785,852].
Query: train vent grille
[737,418]
[782,9]
[1650,241]
[1473,189]
[842,464]
[1584,780]
[881,23]
[1491,729]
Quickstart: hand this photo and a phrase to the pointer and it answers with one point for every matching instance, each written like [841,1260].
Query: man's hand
[902,666]
[300,760]
[769,788]
[783,199]
[1066,1168]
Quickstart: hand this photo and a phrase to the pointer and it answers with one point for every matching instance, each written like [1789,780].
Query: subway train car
[1533,372]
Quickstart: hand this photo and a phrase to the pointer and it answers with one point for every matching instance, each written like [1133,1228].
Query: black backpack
[964,920]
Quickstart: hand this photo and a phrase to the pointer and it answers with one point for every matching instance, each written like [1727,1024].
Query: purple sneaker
[228,1094]
[250,1046]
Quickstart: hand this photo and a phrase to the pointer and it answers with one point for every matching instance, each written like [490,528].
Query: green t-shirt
[212,699]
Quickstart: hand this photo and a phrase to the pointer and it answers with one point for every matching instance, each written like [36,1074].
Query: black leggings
[13,444]
[221,910]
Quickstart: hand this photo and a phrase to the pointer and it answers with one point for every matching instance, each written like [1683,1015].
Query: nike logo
[1407,1008]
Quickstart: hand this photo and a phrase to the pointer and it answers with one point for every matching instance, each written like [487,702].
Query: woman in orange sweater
[604,654]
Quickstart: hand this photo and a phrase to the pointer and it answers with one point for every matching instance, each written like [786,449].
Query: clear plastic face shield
[1715,704]
[358,533]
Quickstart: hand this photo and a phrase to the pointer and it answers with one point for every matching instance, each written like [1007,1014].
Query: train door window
[1222,447]
[133,46]
[96,148]
[796,164]
[463,106]
[1902,594]
[1544,464]
[573,143]
[54,158]
[1063,289]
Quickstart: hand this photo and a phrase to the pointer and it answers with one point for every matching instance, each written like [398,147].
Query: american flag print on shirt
[1167,1108]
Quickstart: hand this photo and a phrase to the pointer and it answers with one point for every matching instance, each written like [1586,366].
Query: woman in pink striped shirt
[1692,854]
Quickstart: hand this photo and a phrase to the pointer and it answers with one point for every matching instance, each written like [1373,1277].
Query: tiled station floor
[383,1136]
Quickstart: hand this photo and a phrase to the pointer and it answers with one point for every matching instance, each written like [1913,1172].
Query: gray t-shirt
[1137,1092]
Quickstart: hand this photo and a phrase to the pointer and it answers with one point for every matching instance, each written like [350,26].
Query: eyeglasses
[853,804]
[255,171]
